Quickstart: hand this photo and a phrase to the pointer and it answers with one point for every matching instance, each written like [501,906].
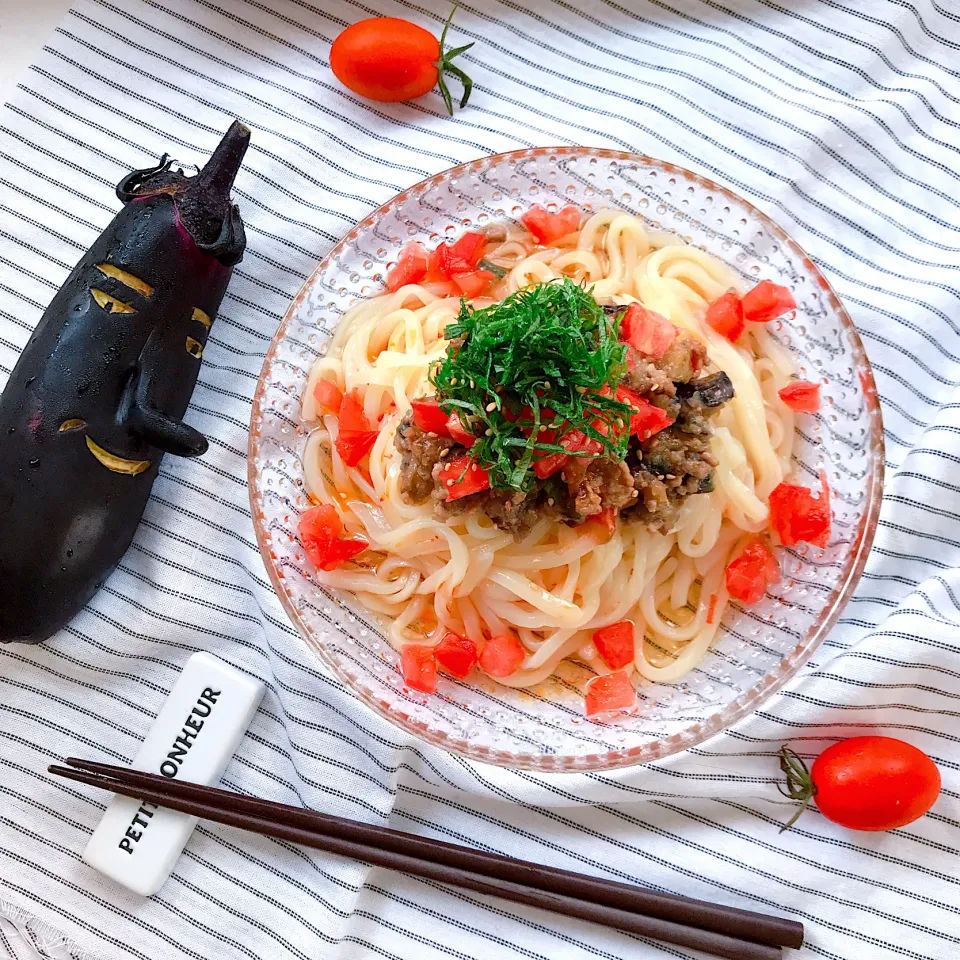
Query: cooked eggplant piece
[713,390]
[99,393]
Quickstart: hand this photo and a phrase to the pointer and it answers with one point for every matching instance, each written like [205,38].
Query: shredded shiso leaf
[538,359]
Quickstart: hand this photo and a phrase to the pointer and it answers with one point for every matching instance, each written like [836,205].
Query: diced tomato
[725,315]
[646,419]
[502,655]
[578,442]
[548,227]
[328,395]
[411,266]
[549,464]
[459,257]
[419,667]
[428,416]
[320,529]
[435,272]
[471,284]
[320,523]
[469,249]
[459,433]
[606,518]
[352,417]
[331,554]
[615,644]
[457,655]
[649,332]
[609,693]
[752,571]
[796,515]
[355,437]
[353,447]
[767,301]
[475,478]
[441,288]
[802,396]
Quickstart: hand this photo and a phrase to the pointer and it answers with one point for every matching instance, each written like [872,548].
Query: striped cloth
[840,119]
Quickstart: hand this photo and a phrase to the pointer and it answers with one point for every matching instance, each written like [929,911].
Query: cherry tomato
[389,59]
[865,783]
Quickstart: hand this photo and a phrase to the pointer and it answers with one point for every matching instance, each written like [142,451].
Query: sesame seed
[443,453]
[635,494]
[488,432]
[491,406]
[453,381]
[507,505]
[473,386]
[671,476]
[550,501]
[546,384]
[449,483]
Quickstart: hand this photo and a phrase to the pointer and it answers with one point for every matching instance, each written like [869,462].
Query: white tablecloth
[837,117]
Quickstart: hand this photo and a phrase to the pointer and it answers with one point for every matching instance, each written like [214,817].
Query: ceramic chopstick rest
[192,739]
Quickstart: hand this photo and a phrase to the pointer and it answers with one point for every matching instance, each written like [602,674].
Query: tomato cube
[767,301]
[331,554]
[463,476]
[410,267]
[428,416]
[548,227]
[328,395]
[646,419]
[457,655]
[615,643]
[320,529]
[610,693]
[797,515]
[458,432]
[801,396]
[647,331]
[469,249]
[471,284]
[419,667]
[355,437]
[749,574]
[605,519]
[725,315]
[352,417]
[502,655]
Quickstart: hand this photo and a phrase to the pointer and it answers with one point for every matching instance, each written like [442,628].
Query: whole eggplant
[99,392]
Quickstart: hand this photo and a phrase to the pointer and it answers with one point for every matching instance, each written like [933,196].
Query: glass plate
[757,650]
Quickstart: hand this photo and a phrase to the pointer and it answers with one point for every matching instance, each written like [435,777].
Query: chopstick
[723,931]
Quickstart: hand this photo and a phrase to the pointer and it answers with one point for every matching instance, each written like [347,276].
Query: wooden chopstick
[662,916]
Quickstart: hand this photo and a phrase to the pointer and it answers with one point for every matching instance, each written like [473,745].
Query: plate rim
[750,700]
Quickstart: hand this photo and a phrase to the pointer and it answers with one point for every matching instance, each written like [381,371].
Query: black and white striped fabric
[840,119]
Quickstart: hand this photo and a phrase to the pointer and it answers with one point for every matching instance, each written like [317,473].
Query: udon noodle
[555,585]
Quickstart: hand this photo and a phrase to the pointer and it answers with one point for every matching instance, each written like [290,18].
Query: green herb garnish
[538,359]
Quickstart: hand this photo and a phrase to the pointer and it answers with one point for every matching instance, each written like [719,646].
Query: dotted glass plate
[758,649]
